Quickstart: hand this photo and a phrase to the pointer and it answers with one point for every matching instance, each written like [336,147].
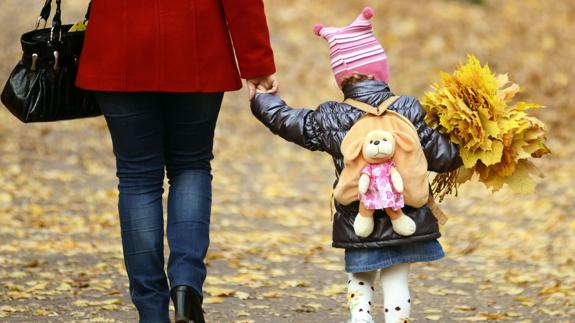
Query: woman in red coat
[159,69]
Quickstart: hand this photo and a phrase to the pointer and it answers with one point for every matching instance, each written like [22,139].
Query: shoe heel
[182,306]
[187,304]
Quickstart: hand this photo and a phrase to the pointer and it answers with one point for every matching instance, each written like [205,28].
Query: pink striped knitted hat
[354,49]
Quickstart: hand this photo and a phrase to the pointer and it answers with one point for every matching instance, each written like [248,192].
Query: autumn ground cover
[509,257]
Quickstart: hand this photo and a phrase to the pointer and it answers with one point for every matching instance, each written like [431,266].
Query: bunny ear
[404,141]
[352,150]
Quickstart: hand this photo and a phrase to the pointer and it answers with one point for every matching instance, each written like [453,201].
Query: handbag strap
[46,9]
[57,20]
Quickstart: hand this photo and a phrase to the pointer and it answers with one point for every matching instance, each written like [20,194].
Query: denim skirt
[370,259]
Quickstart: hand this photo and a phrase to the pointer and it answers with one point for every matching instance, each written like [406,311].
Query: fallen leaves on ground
[509,257]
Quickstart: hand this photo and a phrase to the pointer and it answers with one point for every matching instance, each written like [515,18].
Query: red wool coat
[174,45]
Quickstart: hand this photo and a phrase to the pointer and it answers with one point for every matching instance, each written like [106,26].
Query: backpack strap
[367,108]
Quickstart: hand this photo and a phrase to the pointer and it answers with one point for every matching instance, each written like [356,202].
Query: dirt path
[270,258]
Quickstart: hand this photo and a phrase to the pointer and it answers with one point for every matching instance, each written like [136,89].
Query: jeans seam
[142,230]
[143,251]
[188,221]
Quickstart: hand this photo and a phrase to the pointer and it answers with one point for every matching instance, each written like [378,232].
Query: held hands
[264,84]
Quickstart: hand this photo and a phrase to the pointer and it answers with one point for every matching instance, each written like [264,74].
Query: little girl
[360,67]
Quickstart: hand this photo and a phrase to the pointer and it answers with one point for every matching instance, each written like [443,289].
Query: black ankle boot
[187,304]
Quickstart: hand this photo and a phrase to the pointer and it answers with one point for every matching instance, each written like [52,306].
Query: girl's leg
[396,299]
[137,130]
[190,121]
[360,296]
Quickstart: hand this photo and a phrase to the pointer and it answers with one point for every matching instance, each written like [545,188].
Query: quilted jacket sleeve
[442,155]
[295,125]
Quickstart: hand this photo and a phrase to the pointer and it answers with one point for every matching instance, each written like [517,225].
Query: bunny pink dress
[381,194]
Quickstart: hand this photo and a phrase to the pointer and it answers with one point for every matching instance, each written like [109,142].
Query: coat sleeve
[299,126]
[250,36]
[442,155]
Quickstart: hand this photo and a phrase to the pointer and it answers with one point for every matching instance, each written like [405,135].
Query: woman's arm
[250,36]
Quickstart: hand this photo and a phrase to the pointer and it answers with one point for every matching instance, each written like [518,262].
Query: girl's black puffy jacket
[324,129]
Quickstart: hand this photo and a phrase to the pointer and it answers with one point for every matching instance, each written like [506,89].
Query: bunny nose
[376,142]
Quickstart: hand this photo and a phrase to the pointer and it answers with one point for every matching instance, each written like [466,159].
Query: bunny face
[378,146]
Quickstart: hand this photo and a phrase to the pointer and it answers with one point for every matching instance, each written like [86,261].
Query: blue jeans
[370,259]
[151,131]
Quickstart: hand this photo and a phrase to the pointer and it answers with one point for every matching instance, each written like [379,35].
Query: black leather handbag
[41,86]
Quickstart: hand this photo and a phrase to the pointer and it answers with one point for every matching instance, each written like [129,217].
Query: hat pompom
[367,12]
[317,29]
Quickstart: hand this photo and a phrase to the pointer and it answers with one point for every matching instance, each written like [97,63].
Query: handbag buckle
[56,61]
[34,60]
[52,35]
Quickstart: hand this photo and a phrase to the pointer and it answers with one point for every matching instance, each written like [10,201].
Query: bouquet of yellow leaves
[496,138]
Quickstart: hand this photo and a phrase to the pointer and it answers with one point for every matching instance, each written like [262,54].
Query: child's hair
[355,78]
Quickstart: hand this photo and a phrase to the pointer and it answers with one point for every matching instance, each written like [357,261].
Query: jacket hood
[372,92]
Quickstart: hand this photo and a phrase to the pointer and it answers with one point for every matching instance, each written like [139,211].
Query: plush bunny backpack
[385,168]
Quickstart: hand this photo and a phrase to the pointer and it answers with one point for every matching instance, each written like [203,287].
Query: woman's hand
[266,84]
